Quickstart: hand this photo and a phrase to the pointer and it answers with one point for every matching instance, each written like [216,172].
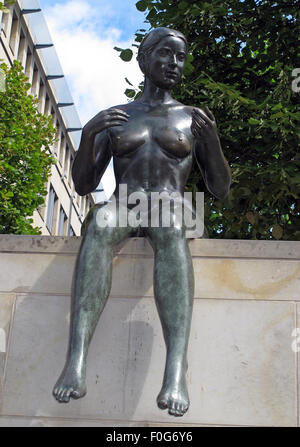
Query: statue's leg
[90,290]
[174,291]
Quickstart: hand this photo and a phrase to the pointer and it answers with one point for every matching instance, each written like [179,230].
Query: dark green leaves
[4,5]
[244,53]
[130,93]
[24,165]
[126,55]
[141,5]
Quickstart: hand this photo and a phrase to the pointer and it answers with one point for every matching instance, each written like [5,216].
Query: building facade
[24,36]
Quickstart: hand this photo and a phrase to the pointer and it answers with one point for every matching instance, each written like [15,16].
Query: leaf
[183,5]
[277,231]
[253,121]
[250,217]
[126,55]
[128,82]
[141,5]
[277,107]
[277,115]
[129,93]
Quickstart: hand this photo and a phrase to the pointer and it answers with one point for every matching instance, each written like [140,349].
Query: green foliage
[25,162]
[5,4]
[242,54]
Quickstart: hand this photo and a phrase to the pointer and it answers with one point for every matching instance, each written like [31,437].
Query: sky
[84,33]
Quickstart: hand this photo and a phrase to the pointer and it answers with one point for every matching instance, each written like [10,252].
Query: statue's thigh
[167,238]
[102,222]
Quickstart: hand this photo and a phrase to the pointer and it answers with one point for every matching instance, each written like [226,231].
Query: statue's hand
[204,125]
[104,120]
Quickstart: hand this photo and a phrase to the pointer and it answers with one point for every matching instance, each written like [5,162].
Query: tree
[5,4]
[25,161]
[241,58]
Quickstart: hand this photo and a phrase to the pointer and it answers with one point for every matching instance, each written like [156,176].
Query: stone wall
[242,368]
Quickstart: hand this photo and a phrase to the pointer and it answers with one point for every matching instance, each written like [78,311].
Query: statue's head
[162,55]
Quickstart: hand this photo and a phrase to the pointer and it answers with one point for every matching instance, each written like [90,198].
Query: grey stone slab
[242,370]
[242,367]
[36,273]
[6,307]
[216,278]
[133,277]
[259,279]
[10,243]
[220,248]
[37,356]
[11,421]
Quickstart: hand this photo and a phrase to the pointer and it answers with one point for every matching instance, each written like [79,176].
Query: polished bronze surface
[153,141]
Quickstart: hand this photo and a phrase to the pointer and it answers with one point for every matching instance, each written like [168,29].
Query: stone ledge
[242,369]
[208,248]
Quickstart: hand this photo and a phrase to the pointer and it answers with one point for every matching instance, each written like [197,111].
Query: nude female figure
[153,141]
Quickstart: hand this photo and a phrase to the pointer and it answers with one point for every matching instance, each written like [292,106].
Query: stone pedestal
[242,368]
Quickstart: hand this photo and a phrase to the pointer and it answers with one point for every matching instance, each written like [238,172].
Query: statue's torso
[153,150]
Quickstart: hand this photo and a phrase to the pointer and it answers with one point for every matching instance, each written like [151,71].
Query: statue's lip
[172,73]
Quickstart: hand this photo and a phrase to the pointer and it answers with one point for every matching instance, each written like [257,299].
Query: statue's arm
[94,152]
[209,155]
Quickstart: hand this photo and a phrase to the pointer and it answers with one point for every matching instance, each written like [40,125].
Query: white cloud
[94,71]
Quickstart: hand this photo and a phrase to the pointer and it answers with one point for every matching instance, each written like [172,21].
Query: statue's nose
[173,61]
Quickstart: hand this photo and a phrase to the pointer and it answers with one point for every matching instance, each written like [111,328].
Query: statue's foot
[70,384]
[174,397]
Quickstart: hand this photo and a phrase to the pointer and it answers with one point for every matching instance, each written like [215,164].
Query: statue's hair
[153,38]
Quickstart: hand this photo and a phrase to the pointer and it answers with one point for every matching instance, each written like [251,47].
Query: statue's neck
[154,96]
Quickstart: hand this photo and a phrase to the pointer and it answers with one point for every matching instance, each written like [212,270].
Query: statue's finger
[199,122]
[113,123]
[209,113]
[117,117]
[118,111]
[203,116]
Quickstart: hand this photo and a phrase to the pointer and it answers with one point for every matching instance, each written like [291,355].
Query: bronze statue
[153,141]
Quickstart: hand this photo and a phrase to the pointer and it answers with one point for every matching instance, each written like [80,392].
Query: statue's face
[164,65]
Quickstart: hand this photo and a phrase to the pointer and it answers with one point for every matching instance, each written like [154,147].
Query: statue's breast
[173,141]
[127,138]
[150,134]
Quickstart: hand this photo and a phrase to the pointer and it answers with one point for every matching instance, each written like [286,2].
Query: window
[70,170]
[22,48]
[62,222]
[13,33]
[41,106]
[56,143]
[28,66]
[47,105]
[66,162]
[35,81]
[71,231]
[51,210]
[5,20]
[62,148]
[52,113]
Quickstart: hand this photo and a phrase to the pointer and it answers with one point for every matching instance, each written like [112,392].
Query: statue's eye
[181,57]
[163,52]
